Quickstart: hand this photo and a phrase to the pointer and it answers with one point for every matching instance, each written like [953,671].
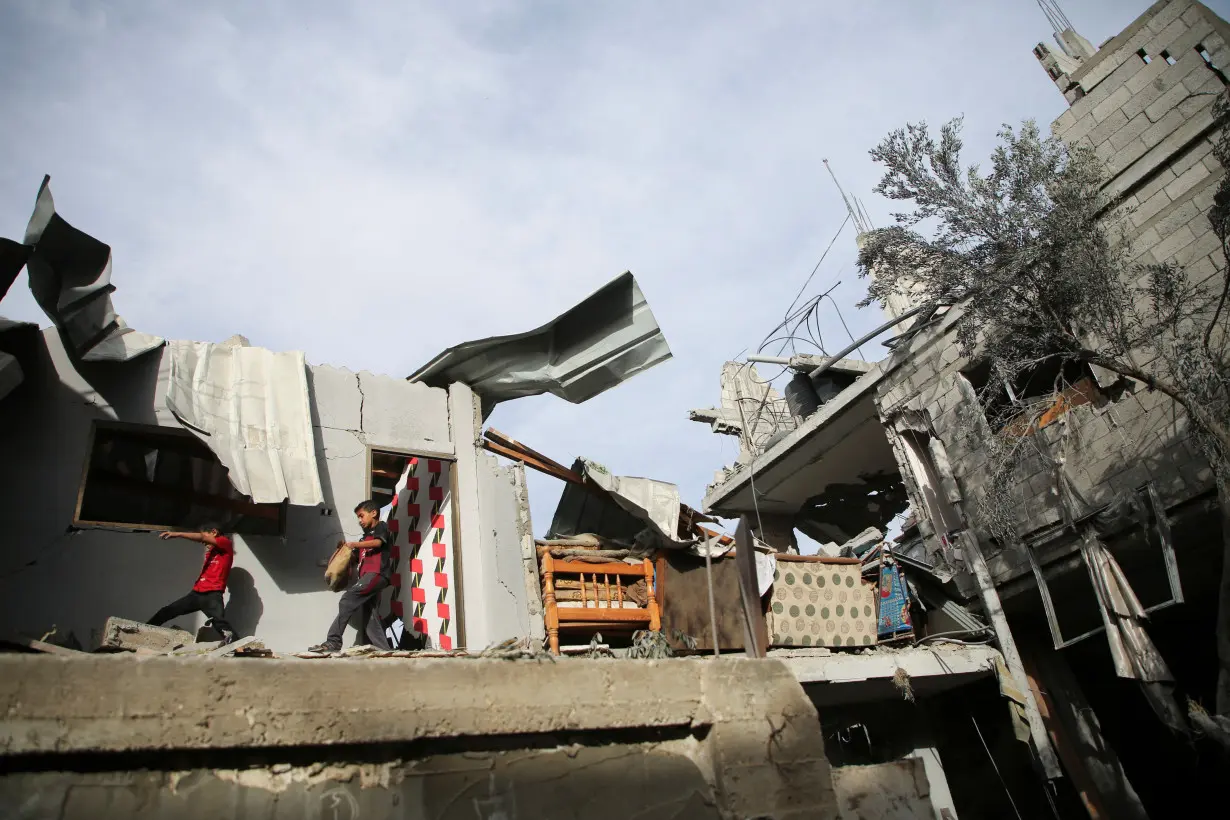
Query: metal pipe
[769,359]
[815,374]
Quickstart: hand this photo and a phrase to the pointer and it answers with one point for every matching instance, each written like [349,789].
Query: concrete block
[1160,180]
[1121,160]
[1166,102]
[1083,125]
[1063,122]
[123,634]
[1143,80]
[1162,152]
[1193,155]
[1111,105]
[1143,247]
[1181,214]
[1162,127]
[1130,131]
[1204,245]
[1166,16]
[897,789]
[1114,122]
[1185,43]
[1163,37]
[1150,208]
[1194,15]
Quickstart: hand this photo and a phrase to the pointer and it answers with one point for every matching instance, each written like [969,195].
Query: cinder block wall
[1151,123]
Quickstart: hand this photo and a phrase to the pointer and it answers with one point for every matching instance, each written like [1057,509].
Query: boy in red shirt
[375,573]
[206,594]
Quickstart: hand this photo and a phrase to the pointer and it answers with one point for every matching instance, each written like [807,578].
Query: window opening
[1144,56]
[1043,393]
[1208,63]
[144,477]
[1169,59]
[1080,605]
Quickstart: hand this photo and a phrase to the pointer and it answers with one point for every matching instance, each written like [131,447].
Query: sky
[372,182]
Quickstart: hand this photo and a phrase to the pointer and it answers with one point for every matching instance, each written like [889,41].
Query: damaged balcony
[831,474]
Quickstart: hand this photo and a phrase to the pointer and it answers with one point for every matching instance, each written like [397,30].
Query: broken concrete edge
[162,703]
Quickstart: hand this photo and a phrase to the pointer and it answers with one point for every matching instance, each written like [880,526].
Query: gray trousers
[362,597]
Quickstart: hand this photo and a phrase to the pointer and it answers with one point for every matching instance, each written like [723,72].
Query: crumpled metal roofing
[70,277]
[603,341]
[631,506]
[251,407]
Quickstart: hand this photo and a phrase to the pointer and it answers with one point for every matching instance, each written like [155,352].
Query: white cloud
[374,181]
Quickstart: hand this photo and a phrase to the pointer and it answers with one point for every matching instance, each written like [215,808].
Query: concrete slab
[837,677]
[121,634]
[741,733]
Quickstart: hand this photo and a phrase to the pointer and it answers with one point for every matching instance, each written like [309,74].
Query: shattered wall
[53,575]
[1152,124]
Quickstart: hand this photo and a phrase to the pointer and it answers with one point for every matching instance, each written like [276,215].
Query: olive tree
[1043,268]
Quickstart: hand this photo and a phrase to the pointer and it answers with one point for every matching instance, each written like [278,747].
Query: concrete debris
[886,791]
[120,634]
[230,648]
[862,542]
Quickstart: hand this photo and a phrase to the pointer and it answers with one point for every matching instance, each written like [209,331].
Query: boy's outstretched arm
[363,545]
[199,537]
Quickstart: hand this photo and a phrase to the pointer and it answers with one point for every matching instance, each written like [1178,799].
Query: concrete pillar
[1091,762]
[465,425]
[941,795]
[776,531]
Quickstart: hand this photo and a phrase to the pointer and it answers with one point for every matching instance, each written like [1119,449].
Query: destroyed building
[1110,599]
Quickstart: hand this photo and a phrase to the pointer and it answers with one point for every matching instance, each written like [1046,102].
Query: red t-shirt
[217,567]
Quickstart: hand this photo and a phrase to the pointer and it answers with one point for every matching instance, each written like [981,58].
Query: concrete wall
[163,737]
[500,598]
[50,576]
[1152,127]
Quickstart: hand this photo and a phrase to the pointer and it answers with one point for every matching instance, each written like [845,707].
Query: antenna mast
[862,222]
[1054,15]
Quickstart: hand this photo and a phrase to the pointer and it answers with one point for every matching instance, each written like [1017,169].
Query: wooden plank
[567,614]
[47,648]
[528,461]
[511,443]
[756,638]
[563,565]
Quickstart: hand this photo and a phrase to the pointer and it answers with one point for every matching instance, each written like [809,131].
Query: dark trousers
[209,603]
[362,597]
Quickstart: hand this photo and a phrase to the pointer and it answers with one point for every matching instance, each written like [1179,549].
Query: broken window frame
[1162,527]
[458,579]
[154,431]
[1061,405]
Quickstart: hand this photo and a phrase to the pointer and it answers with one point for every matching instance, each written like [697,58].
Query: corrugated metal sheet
[251,407]
[70,277]
[606,339]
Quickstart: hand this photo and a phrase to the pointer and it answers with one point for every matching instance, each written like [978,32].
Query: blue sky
[371,182]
